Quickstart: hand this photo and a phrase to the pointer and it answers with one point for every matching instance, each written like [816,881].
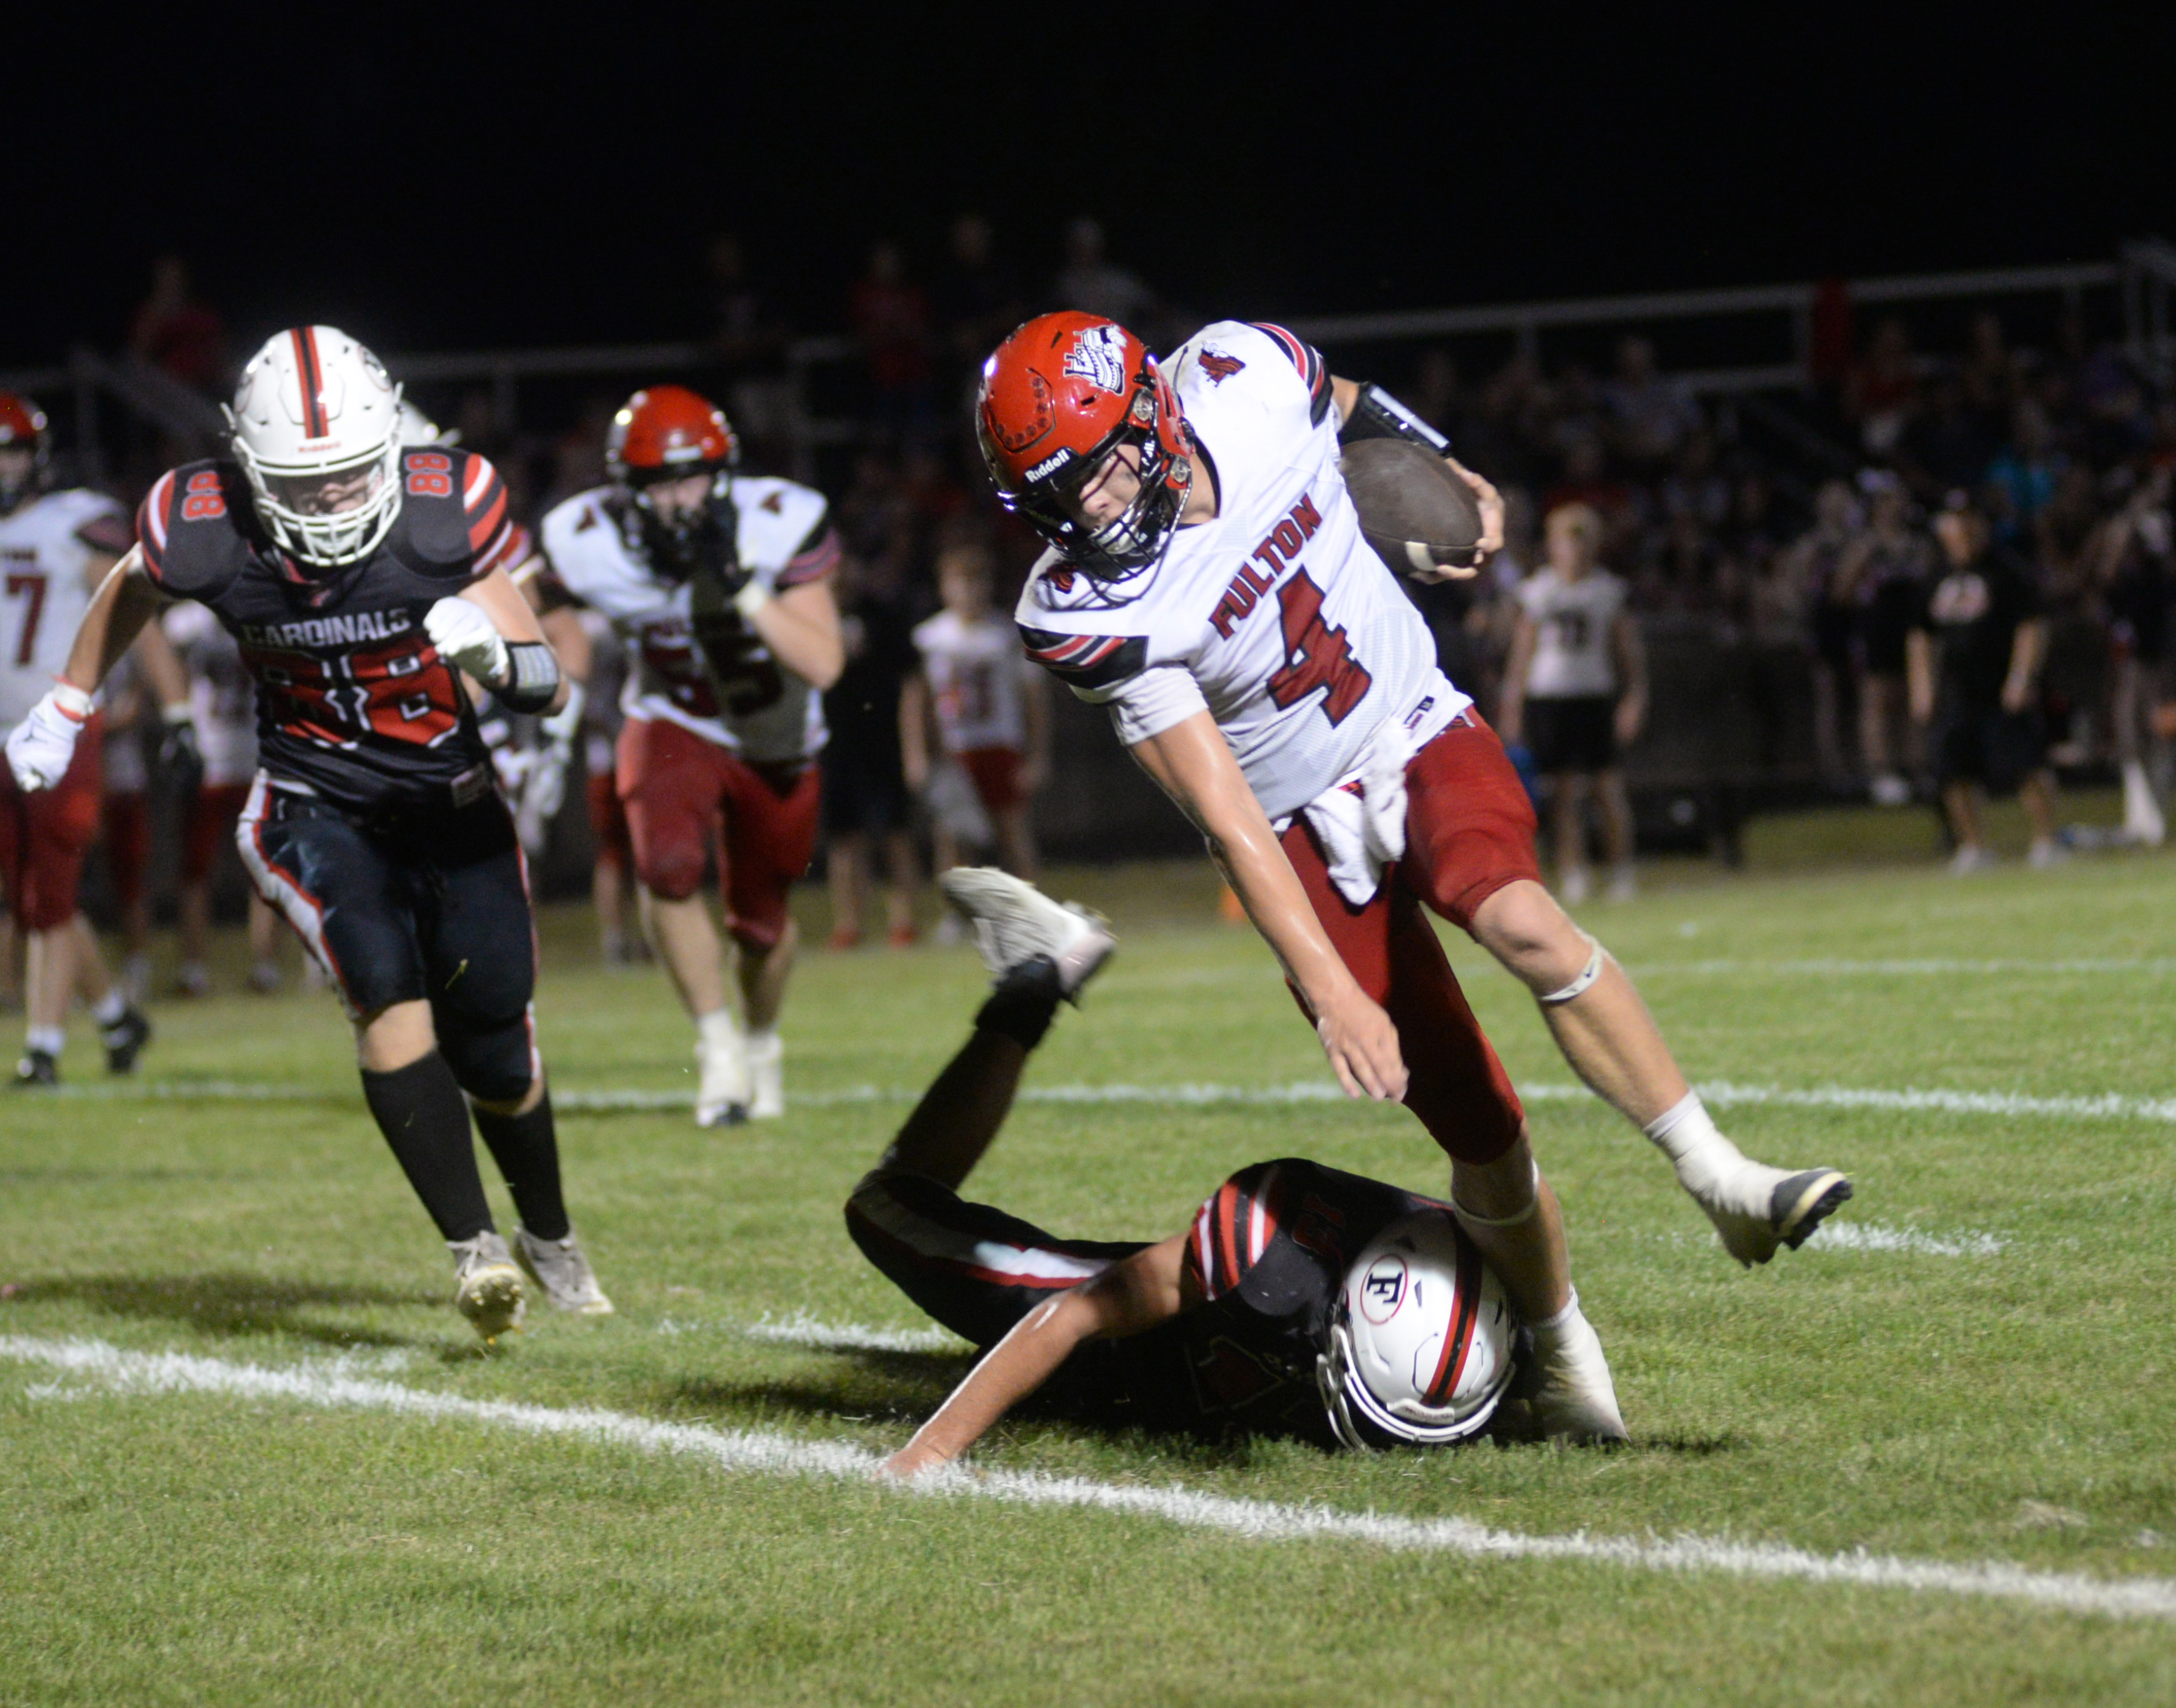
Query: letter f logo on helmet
[1057,398]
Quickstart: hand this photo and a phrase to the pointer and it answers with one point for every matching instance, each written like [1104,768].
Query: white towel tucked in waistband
[1361,823]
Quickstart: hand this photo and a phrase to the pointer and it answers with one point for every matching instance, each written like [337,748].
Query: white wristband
[751,599]
[71,701]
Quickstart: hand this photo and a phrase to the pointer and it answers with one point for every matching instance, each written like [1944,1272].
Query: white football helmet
[314,404]
[1420,1339]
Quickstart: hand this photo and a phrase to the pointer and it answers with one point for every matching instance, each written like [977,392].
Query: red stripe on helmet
[1459,1342]
[315,423]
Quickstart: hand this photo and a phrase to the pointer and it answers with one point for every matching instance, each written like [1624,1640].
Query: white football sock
[52,1040]
[1687,1134]
[720,1029]
[110,1007]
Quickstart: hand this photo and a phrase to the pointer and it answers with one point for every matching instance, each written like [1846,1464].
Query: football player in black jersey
[361,578]
[1301,1301]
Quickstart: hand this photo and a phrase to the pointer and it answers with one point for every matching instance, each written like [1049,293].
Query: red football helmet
[22,425]
[1057,398]
[665,432]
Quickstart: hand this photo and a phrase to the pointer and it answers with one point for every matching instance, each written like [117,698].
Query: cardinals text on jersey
[46,547]
[728,689]
[353,701]
[1276,616]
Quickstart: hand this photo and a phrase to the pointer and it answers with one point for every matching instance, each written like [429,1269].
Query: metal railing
[2143,275]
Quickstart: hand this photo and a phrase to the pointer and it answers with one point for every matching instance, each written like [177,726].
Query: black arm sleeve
[1379,415]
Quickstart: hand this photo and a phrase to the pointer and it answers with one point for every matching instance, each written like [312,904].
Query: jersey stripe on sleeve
[817,557]
[1305,358]
[1086,661]
[1233,1228]
[492,536]
[108,532]
[151,518]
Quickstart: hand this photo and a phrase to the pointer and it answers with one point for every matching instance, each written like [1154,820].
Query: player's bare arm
[2027,648]
[1129,1298]
[1511,708]
[801,627]
[1919,675]
[914,731]
[1192,763]
[126,601]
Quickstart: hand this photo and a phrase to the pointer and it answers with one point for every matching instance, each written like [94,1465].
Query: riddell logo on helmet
[1098,355]
[1050,464]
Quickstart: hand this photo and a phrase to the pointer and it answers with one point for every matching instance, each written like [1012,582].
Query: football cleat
[1758,1209]
[486,1286]
[38,1068]
[766,1067]
[1571,1397]
[124,1040]
[1014,922]
[722,1094]
[559,1268]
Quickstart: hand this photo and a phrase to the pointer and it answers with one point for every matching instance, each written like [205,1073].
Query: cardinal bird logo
[1219,367]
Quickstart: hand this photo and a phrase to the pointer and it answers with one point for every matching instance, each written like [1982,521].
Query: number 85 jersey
[1276,616]
[353,701]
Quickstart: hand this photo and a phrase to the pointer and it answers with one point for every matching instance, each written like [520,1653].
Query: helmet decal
[1037,425]
[1382,1289]
[1098,355]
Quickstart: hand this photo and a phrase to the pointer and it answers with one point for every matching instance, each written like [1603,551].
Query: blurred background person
[987,706]
[124,829]
[176,332]
[2137,579]
[1813,564]
[1975,656]
[1884,575]
[1575,693]
[867,808]
[888,315]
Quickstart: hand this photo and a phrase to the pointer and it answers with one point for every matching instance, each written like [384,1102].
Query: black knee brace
[495,1061]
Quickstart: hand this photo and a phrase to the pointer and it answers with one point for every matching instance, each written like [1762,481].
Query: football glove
[468,640]
[41,747]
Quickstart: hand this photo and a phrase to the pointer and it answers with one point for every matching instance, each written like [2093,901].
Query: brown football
[1416,512]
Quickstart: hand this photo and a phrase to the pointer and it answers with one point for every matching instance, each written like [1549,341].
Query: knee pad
[495,1061]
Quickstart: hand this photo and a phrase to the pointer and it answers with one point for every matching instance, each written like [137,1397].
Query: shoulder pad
[453,521]
[191,525]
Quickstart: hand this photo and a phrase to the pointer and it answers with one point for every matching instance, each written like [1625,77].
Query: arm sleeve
[815,557]
[107,530]
[1149,703]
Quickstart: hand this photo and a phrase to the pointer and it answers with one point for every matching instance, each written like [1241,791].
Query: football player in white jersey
[987,701]
[1575,689]
[56,548]
[1209,582]
[720,586]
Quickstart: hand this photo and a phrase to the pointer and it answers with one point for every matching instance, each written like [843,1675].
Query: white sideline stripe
[801,1329]
[1874,1236]
[2108,1106]
[1254,1520]
[2154,966]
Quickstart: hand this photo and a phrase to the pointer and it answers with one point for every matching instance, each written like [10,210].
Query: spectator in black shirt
[865,797]
[1974,657]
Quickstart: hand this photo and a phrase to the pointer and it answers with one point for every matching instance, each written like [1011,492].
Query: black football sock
[1024,1002]
[966,1105]
[526,1148]
[425,1119]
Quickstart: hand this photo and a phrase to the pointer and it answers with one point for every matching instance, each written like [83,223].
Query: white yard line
[2108,1106]
[104,1366]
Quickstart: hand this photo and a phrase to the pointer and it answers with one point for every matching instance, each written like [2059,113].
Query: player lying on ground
[1301,1301]
[1208,580]
[59,547]
[361,578]
[720,586]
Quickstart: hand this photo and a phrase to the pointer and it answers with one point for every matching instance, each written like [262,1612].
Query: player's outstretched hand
[41,747]
[1362,1047]
[468,640]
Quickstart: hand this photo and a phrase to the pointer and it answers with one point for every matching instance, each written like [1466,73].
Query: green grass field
[1978,1370]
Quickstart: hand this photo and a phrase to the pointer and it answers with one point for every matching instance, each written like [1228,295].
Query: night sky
[468,177]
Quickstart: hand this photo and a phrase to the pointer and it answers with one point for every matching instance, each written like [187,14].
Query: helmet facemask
[336,538]
[678,547]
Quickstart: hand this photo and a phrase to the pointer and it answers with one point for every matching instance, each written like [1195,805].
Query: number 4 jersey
[353,702]
[1277,617]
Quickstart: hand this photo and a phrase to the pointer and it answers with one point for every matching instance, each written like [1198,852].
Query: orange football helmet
[23,425]
[1057,398]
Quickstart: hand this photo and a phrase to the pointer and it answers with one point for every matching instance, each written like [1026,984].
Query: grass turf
[2009,1404]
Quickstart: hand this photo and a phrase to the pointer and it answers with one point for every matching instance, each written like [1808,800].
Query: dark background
[476,176]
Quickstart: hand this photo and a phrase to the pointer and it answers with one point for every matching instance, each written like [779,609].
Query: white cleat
[766,1067]
[558,1266]
[1756,1209]
[1573,1398]
[1014,922]
[722,1094]
[486,1286]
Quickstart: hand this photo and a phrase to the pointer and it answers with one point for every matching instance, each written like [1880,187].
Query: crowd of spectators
[1815,547]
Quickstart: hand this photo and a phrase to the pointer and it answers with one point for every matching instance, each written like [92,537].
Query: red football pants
[1469,831]
[43,835]
[679,789]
